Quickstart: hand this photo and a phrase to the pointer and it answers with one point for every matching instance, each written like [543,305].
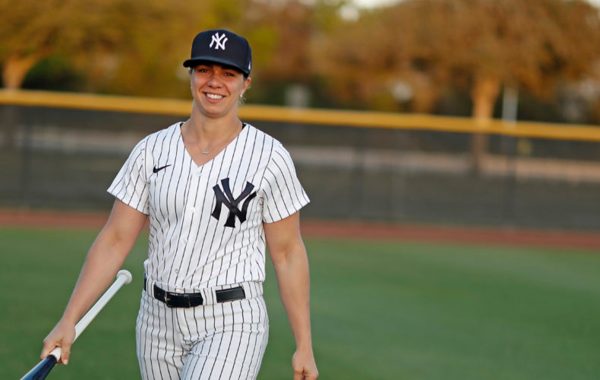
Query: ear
[247,83]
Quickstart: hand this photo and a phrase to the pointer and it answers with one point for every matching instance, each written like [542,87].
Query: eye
[230,73]
[201,69]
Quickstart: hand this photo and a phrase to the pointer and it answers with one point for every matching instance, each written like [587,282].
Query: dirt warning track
[589,240]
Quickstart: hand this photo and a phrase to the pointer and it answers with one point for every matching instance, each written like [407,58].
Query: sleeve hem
[295,208]
[130,203]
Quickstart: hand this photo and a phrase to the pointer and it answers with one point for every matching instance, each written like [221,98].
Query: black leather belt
[194,299]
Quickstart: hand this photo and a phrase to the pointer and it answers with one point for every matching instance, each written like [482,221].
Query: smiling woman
[214,190]
[219,68]
[217,90]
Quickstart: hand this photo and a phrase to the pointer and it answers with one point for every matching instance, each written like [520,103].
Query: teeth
[214,96]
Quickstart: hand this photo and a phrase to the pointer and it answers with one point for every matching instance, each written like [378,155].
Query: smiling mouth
[214,96]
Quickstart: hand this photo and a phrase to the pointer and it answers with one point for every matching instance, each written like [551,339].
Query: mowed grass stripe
[380,310]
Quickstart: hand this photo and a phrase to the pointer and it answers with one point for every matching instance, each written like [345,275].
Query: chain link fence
[58,158]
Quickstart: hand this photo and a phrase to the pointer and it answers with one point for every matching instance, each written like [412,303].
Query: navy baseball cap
[221,46]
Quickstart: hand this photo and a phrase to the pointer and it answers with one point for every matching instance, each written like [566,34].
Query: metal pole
[26,164]
[510,102]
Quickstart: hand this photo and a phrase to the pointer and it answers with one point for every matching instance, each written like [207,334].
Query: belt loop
[253,289]
[148,286]
[209,296]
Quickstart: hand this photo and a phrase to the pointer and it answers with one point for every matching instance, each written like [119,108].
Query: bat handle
[123,278]
[56,353]
[41,370]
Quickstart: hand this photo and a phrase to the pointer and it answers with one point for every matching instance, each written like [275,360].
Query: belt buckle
[166,298]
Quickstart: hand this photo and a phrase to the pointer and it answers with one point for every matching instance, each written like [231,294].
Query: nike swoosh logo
[156,170]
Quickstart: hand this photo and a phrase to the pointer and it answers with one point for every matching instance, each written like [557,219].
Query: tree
[479,44]
[110,40]
[100,36]
[136,46]
[32,30]
[284,45]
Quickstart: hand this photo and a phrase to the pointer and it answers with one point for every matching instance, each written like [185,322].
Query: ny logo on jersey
[218,41]
[225,197]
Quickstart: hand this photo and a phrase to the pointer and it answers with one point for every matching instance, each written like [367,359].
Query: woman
[214,190]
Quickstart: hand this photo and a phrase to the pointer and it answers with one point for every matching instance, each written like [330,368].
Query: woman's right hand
[62,335]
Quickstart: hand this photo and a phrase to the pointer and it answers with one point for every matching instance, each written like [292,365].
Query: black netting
[62,158]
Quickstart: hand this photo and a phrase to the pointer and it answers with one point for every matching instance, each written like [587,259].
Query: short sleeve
[284,194]
[130,185]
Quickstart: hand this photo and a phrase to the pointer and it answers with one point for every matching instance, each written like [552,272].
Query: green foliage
[56,73]
[136,46]
[532,44]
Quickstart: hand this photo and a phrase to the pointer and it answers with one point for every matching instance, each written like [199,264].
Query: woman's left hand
[304,365]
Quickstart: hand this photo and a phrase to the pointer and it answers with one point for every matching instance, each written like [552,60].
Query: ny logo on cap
[218,41]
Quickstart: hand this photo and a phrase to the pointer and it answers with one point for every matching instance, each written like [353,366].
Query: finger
[65,353]
[298,374]
[47,347]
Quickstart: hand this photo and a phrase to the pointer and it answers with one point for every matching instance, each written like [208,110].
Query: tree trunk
[484,94]
[16,68]
[13,73]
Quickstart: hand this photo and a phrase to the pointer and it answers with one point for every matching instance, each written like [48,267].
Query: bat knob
[126,275]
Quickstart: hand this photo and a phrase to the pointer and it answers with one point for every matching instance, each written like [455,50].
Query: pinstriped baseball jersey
[206,220]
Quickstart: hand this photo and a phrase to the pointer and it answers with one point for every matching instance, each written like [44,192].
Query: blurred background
[429,78]
[429,135]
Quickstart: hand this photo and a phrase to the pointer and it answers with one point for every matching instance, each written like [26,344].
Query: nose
[213,81]
[216,76]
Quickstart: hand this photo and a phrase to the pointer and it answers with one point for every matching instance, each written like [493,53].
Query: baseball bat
[43,368]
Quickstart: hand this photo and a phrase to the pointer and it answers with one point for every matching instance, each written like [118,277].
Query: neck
[207,136]
[208,128]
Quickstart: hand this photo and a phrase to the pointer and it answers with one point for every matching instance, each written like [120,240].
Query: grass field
[380,311]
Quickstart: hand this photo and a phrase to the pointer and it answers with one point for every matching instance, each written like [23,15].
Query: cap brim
[198,60]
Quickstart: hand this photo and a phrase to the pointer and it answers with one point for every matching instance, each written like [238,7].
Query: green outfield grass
[380,311]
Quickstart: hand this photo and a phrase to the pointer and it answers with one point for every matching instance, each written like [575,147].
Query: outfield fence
[61,151]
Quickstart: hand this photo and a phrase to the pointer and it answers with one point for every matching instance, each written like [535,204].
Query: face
[216,89]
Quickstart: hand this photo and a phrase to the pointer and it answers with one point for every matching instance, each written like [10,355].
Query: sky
[372,3]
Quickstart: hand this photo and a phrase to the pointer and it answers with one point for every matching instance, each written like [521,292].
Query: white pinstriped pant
[212,341]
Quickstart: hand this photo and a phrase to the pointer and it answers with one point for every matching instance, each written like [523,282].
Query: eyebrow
[225,67]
